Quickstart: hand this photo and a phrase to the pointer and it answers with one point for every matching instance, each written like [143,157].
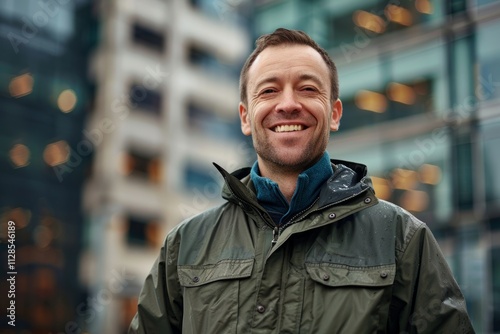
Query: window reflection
[488,86]
[397,100]
[490,145]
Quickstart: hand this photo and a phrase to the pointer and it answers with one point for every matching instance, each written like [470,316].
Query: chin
[296,162]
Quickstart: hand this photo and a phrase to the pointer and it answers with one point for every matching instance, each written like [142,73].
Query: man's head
[283,36]
[289,105]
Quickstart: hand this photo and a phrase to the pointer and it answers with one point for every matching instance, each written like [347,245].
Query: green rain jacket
[349,263]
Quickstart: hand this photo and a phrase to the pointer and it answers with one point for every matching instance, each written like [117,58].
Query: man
[302,244]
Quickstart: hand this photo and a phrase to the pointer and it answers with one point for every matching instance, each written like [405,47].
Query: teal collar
[308,187]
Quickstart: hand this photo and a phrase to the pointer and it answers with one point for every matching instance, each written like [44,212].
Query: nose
[288,102]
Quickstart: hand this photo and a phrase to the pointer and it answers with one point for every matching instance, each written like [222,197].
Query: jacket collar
[349,179]
[309,184]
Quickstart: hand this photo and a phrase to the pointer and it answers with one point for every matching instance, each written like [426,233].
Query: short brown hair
[282,36]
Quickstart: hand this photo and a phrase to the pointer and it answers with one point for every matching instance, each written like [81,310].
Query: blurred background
[112,112]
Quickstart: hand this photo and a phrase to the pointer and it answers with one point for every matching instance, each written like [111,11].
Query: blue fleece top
[307,190]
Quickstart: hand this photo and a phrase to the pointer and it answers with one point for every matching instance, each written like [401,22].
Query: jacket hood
[349,179]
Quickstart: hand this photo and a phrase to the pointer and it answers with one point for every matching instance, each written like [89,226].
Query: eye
[309,89]
[268,91]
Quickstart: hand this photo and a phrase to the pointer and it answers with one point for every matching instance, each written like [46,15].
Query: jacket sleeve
[159,308]
[426,297]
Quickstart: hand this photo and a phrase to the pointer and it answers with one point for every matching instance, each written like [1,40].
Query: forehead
[286,59]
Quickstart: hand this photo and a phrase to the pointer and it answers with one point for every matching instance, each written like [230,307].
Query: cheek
[258,115]
[321,112]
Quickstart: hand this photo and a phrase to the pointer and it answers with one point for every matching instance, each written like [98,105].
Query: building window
[143,232]
[204,120]
[200,57]
[145,99]
[143,166]
[490,142]
[416,189]
[407,99]
[488,85]
[361,25]
[398,100]
[147,37]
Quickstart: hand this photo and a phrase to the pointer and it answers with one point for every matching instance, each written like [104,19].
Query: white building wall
[115,126]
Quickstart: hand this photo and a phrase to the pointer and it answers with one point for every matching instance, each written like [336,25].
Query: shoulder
[403,224]
[408,228]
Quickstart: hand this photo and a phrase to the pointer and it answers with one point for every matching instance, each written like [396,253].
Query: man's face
[289,112]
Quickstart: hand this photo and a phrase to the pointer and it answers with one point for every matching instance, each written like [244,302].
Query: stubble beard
[293,164]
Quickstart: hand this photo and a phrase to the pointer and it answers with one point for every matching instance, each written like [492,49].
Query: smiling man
[289,109]
[302,244]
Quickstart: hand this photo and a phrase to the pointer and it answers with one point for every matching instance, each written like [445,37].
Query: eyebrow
[302,77]
[312,77]
[267,80]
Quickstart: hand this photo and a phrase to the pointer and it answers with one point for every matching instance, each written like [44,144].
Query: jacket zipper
[276,234]
[273,226]
[277,230]
[291,221]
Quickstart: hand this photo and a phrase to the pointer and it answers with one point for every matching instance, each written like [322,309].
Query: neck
[286,178]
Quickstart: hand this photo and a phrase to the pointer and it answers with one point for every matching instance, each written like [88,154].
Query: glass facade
[420,85]
[44,99]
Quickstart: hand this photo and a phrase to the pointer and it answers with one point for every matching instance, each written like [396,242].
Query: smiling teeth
[288,128]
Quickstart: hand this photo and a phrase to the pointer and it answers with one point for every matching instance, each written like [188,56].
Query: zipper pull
[275,235]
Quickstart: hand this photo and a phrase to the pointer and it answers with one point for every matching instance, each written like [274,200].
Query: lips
[288,128]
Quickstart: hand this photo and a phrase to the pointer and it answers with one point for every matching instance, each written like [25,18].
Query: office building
[166,76]
[43,102]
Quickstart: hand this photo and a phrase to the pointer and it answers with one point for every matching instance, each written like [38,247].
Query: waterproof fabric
[349,263]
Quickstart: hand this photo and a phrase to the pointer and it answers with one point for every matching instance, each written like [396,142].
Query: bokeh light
[424,6]
[19,154]
[401,93]
[371,101]
[399,15]
[369,21]
[21,85]
[56,153]
[67,100]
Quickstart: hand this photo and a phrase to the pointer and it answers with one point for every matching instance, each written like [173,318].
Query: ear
[245,120]
[336,115]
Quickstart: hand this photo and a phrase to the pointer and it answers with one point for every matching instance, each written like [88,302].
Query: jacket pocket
[211,295]
[340,275]
[348,299]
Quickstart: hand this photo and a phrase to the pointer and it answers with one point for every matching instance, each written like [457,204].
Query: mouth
[288,128]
